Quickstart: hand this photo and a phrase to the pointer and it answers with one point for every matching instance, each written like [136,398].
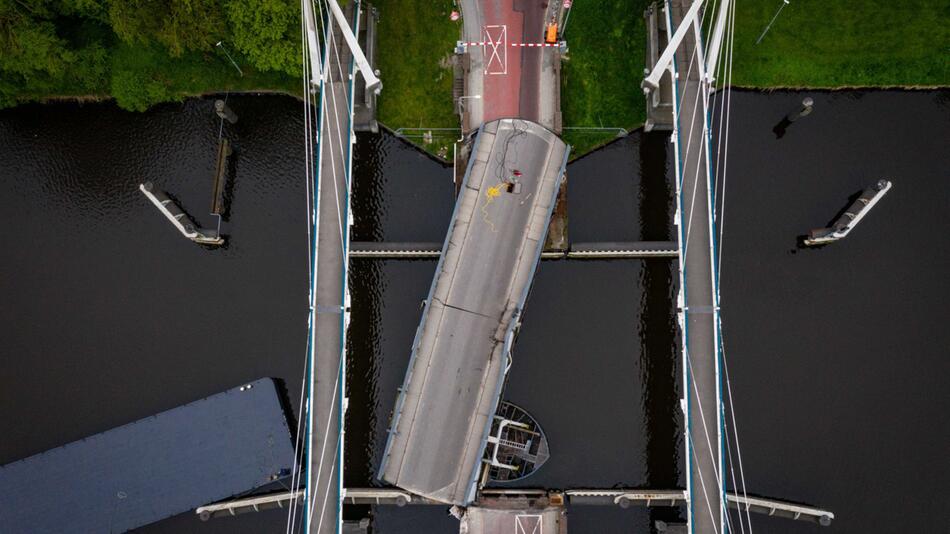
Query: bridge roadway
[699,313]
[461,351]
[330,314]
[505,79]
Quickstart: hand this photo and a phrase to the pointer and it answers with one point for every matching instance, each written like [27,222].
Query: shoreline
[82,99]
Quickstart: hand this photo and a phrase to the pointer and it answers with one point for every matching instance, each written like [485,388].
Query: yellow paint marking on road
[490,195]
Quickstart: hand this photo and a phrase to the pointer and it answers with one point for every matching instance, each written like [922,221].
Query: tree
[97,10]
[180,25]
[29,47]
[30,52]
[267,32]
[137,91]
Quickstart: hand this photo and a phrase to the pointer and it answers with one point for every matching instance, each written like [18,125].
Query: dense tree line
[140,51]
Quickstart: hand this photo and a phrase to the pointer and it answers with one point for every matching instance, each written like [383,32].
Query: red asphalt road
[511,85]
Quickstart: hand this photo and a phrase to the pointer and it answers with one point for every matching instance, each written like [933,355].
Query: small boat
[516,446]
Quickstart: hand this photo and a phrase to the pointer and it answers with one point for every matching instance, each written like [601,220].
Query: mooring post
[806,108]
[223,111]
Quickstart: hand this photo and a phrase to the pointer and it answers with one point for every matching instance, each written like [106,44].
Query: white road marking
[496,38]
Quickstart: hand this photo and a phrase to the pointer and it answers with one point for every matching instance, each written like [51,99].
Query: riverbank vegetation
[847,43]
[812,44]
[145,51]
[600,79]
[414,56]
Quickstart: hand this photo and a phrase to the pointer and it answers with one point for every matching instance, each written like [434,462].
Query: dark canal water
[838,357]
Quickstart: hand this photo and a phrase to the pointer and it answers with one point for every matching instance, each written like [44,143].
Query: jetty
[178,218]
[852,215]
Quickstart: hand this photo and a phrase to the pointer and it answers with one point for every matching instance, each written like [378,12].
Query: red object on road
[567,4]
[454,16]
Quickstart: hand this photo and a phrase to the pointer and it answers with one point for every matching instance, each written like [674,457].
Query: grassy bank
[416,43]
[600,80]
[817,43]
[112,48]
[813,44]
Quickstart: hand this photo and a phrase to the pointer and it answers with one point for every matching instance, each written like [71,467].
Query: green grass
[842,43]
[813,44]
[600,81]
[140,75]
[416,42]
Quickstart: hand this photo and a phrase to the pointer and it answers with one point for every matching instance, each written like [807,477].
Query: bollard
[806,108]
[223,111]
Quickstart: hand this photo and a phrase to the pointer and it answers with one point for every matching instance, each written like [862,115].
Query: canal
[837,356]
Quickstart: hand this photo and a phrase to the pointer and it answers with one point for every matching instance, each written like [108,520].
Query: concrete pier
[659,101]
[364,102]
[858,209]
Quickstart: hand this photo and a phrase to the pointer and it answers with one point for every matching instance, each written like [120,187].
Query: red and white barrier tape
[486,43]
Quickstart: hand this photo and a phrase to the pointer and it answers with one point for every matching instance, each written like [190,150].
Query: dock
[164,465]
[179,218]
[461,352]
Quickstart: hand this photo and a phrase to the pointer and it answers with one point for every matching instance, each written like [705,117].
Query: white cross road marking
[529,524]
[496,38]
